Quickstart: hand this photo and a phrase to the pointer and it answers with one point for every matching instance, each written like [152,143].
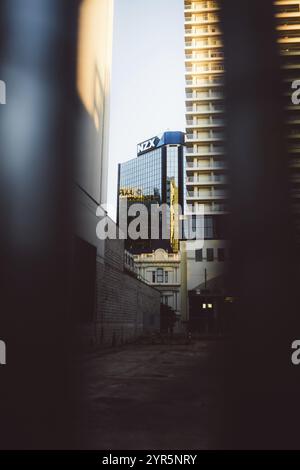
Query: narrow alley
[158,396]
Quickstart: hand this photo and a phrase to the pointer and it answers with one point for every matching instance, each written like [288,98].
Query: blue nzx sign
[147,145]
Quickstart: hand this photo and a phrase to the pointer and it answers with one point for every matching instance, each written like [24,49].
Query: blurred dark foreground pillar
[38,40]
[262,391]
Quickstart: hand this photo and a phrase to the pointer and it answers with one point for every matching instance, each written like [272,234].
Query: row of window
[208,227]
[160,276]
[143,174]
[210,254]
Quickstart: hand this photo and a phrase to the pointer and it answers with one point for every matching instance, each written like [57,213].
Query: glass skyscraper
[154,177]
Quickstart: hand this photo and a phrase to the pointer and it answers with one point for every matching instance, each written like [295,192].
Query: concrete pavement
[154,397]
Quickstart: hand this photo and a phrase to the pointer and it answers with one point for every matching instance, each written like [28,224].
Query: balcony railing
[205,94]
[201,19]
[208,180]
[208,6]
[208,208]
[203,31]
[206,194]
[205,123]
[194,194]
[205,68]
[197,210]
[208,166]
[205,56]
[205,81]
[208,135]
[219,208]
[205,43]
[219,150]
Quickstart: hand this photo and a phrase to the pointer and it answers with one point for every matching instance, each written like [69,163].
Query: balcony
[202,32]
[208,181]
[210,152]
[201,19]
[205,56]
[288,27]
[290,52]
[205,195]
[205,82]
[220,208]
[208,209]
[204,111]
[197,210]
[287,14]
[204,137]
[291,66]
[205,124]
[205,69]
[206,166]
[208,44]
[208,97]
[211,6]
[288,40]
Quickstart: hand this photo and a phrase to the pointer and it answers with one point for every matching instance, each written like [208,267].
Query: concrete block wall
[123,303]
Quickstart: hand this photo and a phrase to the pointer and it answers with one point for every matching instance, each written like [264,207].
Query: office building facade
[153,178]
[162,271]
[206,166]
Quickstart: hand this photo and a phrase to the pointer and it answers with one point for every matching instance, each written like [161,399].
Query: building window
[198,255]
[160,276]
[166,277]
[210,254]
[153,276]
[208,228]
[204,227]
[221,254]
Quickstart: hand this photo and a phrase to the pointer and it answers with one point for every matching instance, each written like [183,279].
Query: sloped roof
[213,286]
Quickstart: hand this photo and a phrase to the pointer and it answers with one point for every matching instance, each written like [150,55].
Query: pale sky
[147,78]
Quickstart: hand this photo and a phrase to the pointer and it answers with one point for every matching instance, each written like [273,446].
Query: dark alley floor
[155,397]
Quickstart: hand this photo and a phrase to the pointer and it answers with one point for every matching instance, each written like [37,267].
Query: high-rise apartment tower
[205,160]
[206,168]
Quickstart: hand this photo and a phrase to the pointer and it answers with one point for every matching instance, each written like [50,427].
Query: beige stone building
[161,270]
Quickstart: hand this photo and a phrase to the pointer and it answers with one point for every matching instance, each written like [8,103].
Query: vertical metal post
[38,64]
[261,381]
